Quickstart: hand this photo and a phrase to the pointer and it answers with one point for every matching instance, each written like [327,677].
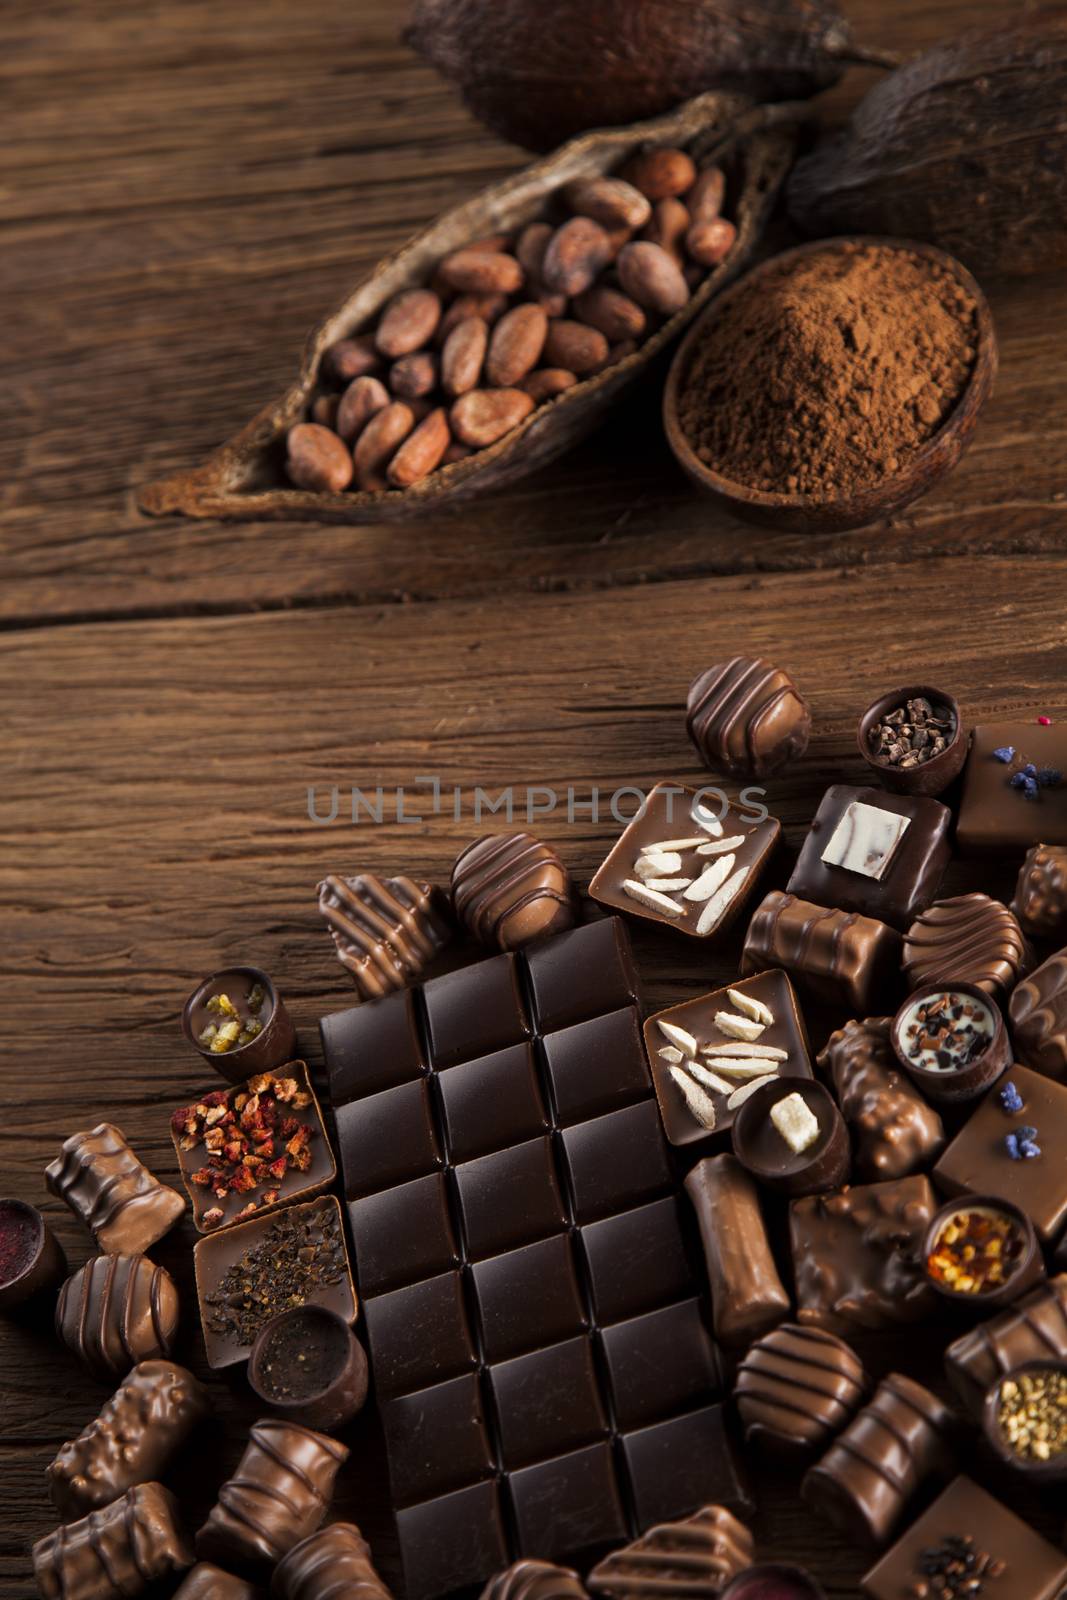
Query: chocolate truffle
[535,1580]
[864,1482]
[693,1558]
[119,1550]
[894,1131]
[747,1295]
[796,1388]
[138,1431]
[967,939]
[747,717]
[1014,1147]
[838,957]
[1040,901]
[511,890]
[334,1562]
[385,930]
[278,1495]
[1038,1010]
[116,1311]
[856,1255]
[1014,794]
[1031,1330]
[112,1192]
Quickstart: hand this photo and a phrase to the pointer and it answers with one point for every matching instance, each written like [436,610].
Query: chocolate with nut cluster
[838,957]
[511,889]
[856,1255]
[385,929]
[278,1495]
[139,1430]
[690,1560]
[119,1550]
[746,717]
[894,1131]
[112,1192]
[332,1563]
[116,1311]
[1040,900]
[796,1388]
[970,938]
[535,1580]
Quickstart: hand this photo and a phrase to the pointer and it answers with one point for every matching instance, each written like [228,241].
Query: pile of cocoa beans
[508,323]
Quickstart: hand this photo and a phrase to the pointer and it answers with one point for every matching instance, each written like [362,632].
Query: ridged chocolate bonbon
[117,1551]
[747,1295]
[856,1255]
[385,929]
[116,1311]
[796,1388]
[103,1182]
[839,957]
[535,1580]
[747,717]
[689,1560]
[138,1431]
[508,890]
[208,1582]
[894,1131]
[1040,900]
[866,1479]
[1038,1009]
[333,1564]
[278,1496]
[1034,1329]
[970,938]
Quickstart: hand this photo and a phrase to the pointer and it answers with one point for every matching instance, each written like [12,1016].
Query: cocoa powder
[825,377]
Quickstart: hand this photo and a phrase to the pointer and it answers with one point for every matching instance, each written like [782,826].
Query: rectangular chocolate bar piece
[838,957]
[585,972]
[1014,794]
[372,1047]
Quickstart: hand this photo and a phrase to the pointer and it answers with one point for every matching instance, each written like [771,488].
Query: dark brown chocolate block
[413,1422]
[636,1261]
[677,1466]
[596,1066]
[492,1102]
[528,1298]
[509,1198]
[387,1138]
[569,1504]
[372,1047]
[452,1541]
[615,1161]
[476,1010]
[583,973]
[419,1335]
[547,1401]
[403,1235]
[661,1363]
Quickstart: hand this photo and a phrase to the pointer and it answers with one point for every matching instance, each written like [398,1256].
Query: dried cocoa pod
[538,71]
[486,415]
[577,254]
[650,276]
[421,451]
[244,479]
[612,202]
[408,323]
[662,173]
[516,345]
[964,147]
[361,400]
[317,459]
[611,312]
[474,271]
[464,355]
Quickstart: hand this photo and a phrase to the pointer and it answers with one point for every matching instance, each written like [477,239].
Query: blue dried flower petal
[1005,753]
[1025,1134]
[1030,770]
[1048,777]
[1017,781]
[1011,1145]
[1010,1098]
[1030,1150]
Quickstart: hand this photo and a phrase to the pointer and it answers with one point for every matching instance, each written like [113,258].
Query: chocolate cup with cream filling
[767,1155]
[953,1086]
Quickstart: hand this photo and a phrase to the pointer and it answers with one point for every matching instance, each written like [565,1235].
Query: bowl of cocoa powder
[834,384]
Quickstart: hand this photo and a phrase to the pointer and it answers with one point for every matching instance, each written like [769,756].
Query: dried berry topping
[250,1136]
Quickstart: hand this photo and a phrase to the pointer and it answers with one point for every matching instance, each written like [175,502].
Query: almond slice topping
[737,1027]
[715,847]
[768,1052]
[739,1096]
[697,1099]
[712,878]
[715,909]
[750,1006]
[678,1036]
[652,898]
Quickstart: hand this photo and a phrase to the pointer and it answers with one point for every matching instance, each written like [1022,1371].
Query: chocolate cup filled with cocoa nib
[774,1580]
[764,1153]
[1028,1271]
[1039,1472]
[929,777]
[309,1367]
[272,1047]
[31,1258]
[953,1086]
[798,513]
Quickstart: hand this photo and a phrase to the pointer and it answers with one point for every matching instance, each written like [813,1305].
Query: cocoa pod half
[965,147]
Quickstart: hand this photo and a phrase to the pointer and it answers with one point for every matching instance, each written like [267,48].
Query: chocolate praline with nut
[1040,900]
[512,889]
[746,717]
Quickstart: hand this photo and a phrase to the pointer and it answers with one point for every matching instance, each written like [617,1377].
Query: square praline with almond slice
[680,864]
[743,1034]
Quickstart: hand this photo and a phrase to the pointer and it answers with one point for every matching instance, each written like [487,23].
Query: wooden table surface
[185,189]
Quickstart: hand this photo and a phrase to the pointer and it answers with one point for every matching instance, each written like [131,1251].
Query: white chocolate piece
[865,839]
[796,1122]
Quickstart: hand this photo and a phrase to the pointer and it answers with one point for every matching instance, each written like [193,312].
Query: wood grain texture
[184,191]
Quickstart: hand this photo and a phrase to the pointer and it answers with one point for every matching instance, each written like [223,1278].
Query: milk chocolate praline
[747,717]
[953,1086]
[1054,1468]
[511,890]
[1027,1269]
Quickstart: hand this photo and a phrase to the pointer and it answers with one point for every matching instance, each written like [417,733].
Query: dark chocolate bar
[112,1192]
[116,1311]
[118,1550]
[278,1495]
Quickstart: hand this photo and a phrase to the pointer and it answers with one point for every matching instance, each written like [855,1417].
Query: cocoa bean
[553,305]
[610,201]
[491,241]
[708,243]
[481,272]
[408,322]
[649,276]
[670,222]
[706,196]
[422,451]
[516,345]
[530,250]
[351,358]
[661,173]
[362,400]
[611,312]
[576,255]
[486,415]
[546,383]
[575,347]
[414,376]
[463,355]
[324,409]
[486,306]
[379,442]
[317,459]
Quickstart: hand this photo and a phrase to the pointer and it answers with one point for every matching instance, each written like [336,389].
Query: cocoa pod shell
[965,147]
[244,479]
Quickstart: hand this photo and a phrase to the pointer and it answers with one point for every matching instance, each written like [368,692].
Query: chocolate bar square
[509,1198]
[879,854]
[635,1260]
[615,1161]
[437,1440]
[661,1363]
[676,1467]
[402,1235]
[372,1047]
[387,1138]
[491,1103]
[568,1506]
[596,1066]
[999,809]
[528,1297]
[979,1160]
[472,1012]
[418,1335]
[547,1402]
[582,973]
[451,1542]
